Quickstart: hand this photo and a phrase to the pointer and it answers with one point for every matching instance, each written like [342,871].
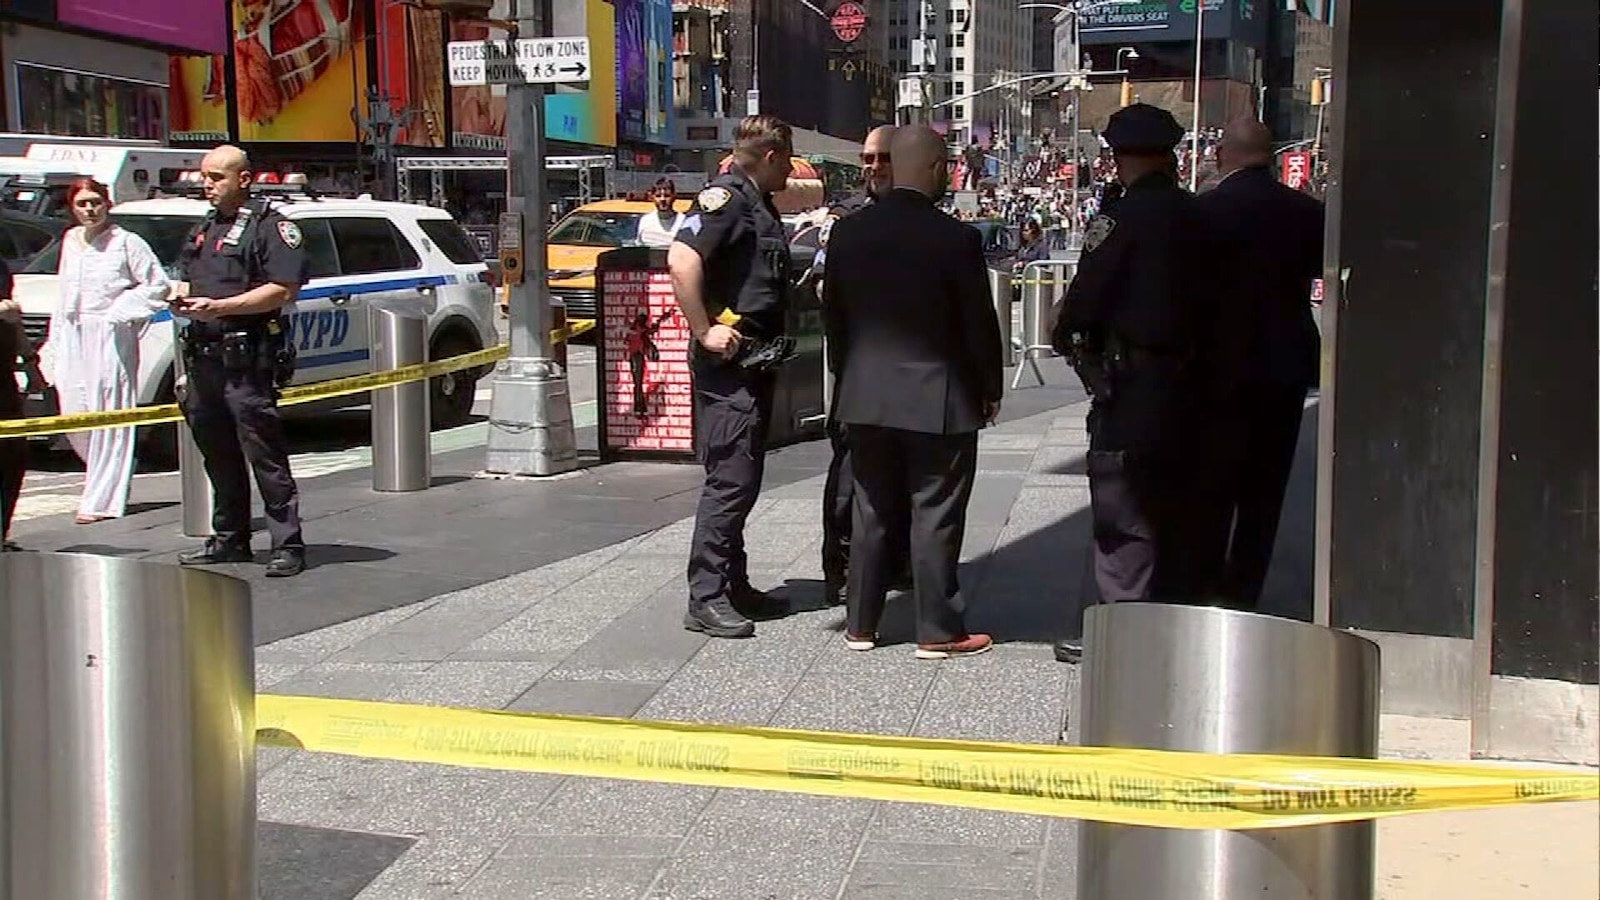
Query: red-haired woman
[111,285]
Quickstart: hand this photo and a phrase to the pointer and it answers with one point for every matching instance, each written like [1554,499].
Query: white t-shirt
[654,234]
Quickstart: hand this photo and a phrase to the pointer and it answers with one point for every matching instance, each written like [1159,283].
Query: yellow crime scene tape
[1156,788]
[323,390]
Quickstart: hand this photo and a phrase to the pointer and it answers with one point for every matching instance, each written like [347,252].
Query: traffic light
[1127,92]
[1319,91]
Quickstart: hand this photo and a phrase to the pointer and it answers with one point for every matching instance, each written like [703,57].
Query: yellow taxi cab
[574,246]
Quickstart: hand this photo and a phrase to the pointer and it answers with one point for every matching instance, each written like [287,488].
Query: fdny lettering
[315,330]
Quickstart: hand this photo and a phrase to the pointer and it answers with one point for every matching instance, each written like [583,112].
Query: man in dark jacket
[913,341]
[1267,247]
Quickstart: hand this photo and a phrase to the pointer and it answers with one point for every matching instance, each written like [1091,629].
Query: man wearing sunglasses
[877,177]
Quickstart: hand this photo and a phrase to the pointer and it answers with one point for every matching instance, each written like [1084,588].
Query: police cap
[1142,128]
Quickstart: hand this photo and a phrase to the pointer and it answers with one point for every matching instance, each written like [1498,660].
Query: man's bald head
[876,169]
[1245,143]
[225,172]
[919,159]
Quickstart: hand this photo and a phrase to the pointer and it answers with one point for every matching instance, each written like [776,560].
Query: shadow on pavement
[300,863]
[320,555]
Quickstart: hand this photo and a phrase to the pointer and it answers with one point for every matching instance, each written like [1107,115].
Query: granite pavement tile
[611,808]
[574,697]
[886,701]
[474,684]
[646,643]
[352,681]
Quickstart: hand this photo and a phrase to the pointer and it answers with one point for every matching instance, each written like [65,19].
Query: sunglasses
[868,159]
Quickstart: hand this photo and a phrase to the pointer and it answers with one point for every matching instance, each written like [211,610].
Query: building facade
[969,51]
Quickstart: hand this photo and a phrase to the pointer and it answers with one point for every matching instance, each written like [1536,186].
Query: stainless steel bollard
[402,454]
[1222,681]
[194,487]
[1043,282]
[1000,293]
[127,731]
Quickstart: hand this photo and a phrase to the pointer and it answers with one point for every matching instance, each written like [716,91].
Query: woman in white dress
[111,285]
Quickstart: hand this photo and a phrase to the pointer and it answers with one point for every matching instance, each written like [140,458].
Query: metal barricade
[1000,292]
[194,487]
[1044,282]
[402,455]
[1169,677]
[127,731]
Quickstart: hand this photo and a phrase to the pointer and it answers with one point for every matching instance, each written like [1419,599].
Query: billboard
[411,71]
[198,25]
[1146,21]
[644,70]
[197,100]
[589,116]
[299,68]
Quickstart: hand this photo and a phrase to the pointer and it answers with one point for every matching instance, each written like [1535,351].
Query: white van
[36,183]
[358,251]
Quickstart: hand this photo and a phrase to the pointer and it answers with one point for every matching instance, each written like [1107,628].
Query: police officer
[731,273]
[243,264]
[878,176]
[1127,325]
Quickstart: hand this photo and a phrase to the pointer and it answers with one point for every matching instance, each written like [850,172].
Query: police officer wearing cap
[878,175]
[1128,326]
[731,273]
[242,264]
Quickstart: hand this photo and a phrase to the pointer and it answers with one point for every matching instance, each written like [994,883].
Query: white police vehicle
[359,251]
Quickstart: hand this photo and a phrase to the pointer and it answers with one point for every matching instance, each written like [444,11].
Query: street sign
[910,92]
[563,60]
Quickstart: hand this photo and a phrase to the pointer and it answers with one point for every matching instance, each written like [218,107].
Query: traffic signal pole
[530,415]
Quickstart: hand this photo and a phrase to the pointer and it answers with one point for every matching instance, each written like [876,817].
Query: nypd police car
[358,251]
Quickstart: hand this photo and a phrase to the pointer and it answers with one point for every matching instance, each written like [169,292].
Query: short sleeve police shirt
[279,251]
[716,222]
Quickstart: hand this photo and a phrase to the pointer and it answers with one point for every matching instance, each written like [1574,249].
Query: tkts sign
[1297,169]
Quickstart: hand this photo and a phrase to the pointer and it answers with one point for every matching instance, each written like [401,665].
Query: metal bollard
[127,731]
[194,487]
[1043,283]
[402,453]
[1000,293]
[1169,677]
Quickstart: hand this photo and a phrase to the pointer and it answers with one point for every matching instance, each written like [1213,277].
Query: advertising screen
[197,100]
[644,70]
[1174,20]
[199,25]
[645,380]
[589,116]
[412,70]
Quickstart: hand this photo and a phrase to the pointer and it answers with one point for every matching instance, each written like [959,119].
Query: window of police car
[164,234]
[371,245]
[452,241]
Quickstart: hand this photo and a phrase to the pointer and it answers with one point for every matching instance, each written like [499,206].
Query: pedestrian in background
[15,355]
[243,265]
[914,344]
[658,229]
[110,285]
[731,275]
[1128,326]
[1267,250]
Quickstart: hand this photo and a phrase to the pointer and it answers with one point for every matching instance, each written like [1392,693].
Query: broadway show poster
[645,365]
[300,68]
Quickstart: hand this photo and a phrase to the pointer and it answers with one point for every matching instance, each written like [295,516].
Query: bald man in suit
[915,347]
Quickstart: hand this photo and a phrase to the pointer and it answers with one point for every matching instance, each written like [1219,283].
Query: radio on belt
[511,248]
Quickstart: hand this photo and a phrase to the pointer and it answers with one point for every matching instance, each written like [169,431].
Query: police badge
[1100,228]
[290,234]
[713,198]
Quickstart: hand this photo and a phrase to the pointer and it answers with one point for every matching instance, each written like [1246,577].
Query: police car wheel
[453,393]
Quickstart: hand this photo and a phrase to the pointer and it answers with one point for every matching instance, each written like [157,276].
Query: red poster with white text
[644,364]
[1297,169]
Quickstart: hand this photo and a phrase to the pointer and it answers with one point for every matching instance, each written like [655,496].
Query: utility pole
[530,414]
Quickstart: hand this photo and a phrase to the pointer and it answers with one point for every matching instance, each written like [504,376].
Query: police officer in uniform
[243,264]
[878,174]
[731,274]
[1128,326]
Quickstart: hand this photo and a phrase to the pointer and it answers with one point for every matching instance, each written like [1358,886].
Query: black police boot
[286,562]
[754,604]
[217,551]
[718,618]
[833,591]
[1069,650]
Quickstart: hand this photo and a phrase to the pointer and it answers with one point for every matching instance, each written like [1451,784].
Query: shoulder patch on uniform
[1100,228]
[289,232]
[713,198]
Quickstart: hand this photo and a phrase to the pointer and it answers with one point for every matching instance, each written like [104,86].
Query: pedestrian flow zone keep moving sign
[563,60]
[646,388]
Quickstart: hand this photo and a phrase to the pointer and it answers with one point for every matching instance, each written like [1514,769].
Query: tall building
[973,47]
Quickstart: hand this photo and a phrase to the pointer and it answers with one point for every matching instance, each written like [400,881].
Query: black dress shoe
[718,618]
[9,547]
[754,604]
[1069,650]
[216,551]
[833,593]
[286,563]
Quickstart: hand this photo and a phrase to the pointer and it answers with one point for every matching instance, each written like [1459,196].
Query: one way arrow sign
[562,60]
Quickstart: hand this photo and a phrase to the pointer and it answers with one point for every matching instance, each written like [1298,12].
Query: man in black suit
[915,347]
[1265,350]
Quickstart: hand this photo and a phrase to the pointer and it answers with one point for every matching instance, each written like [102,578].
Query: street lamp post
[1199,37]
[1127,94]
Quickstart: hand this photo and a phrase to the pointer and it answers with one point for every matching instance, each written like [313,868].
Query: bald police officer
[243,264]
[731,273]
[1128,326]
